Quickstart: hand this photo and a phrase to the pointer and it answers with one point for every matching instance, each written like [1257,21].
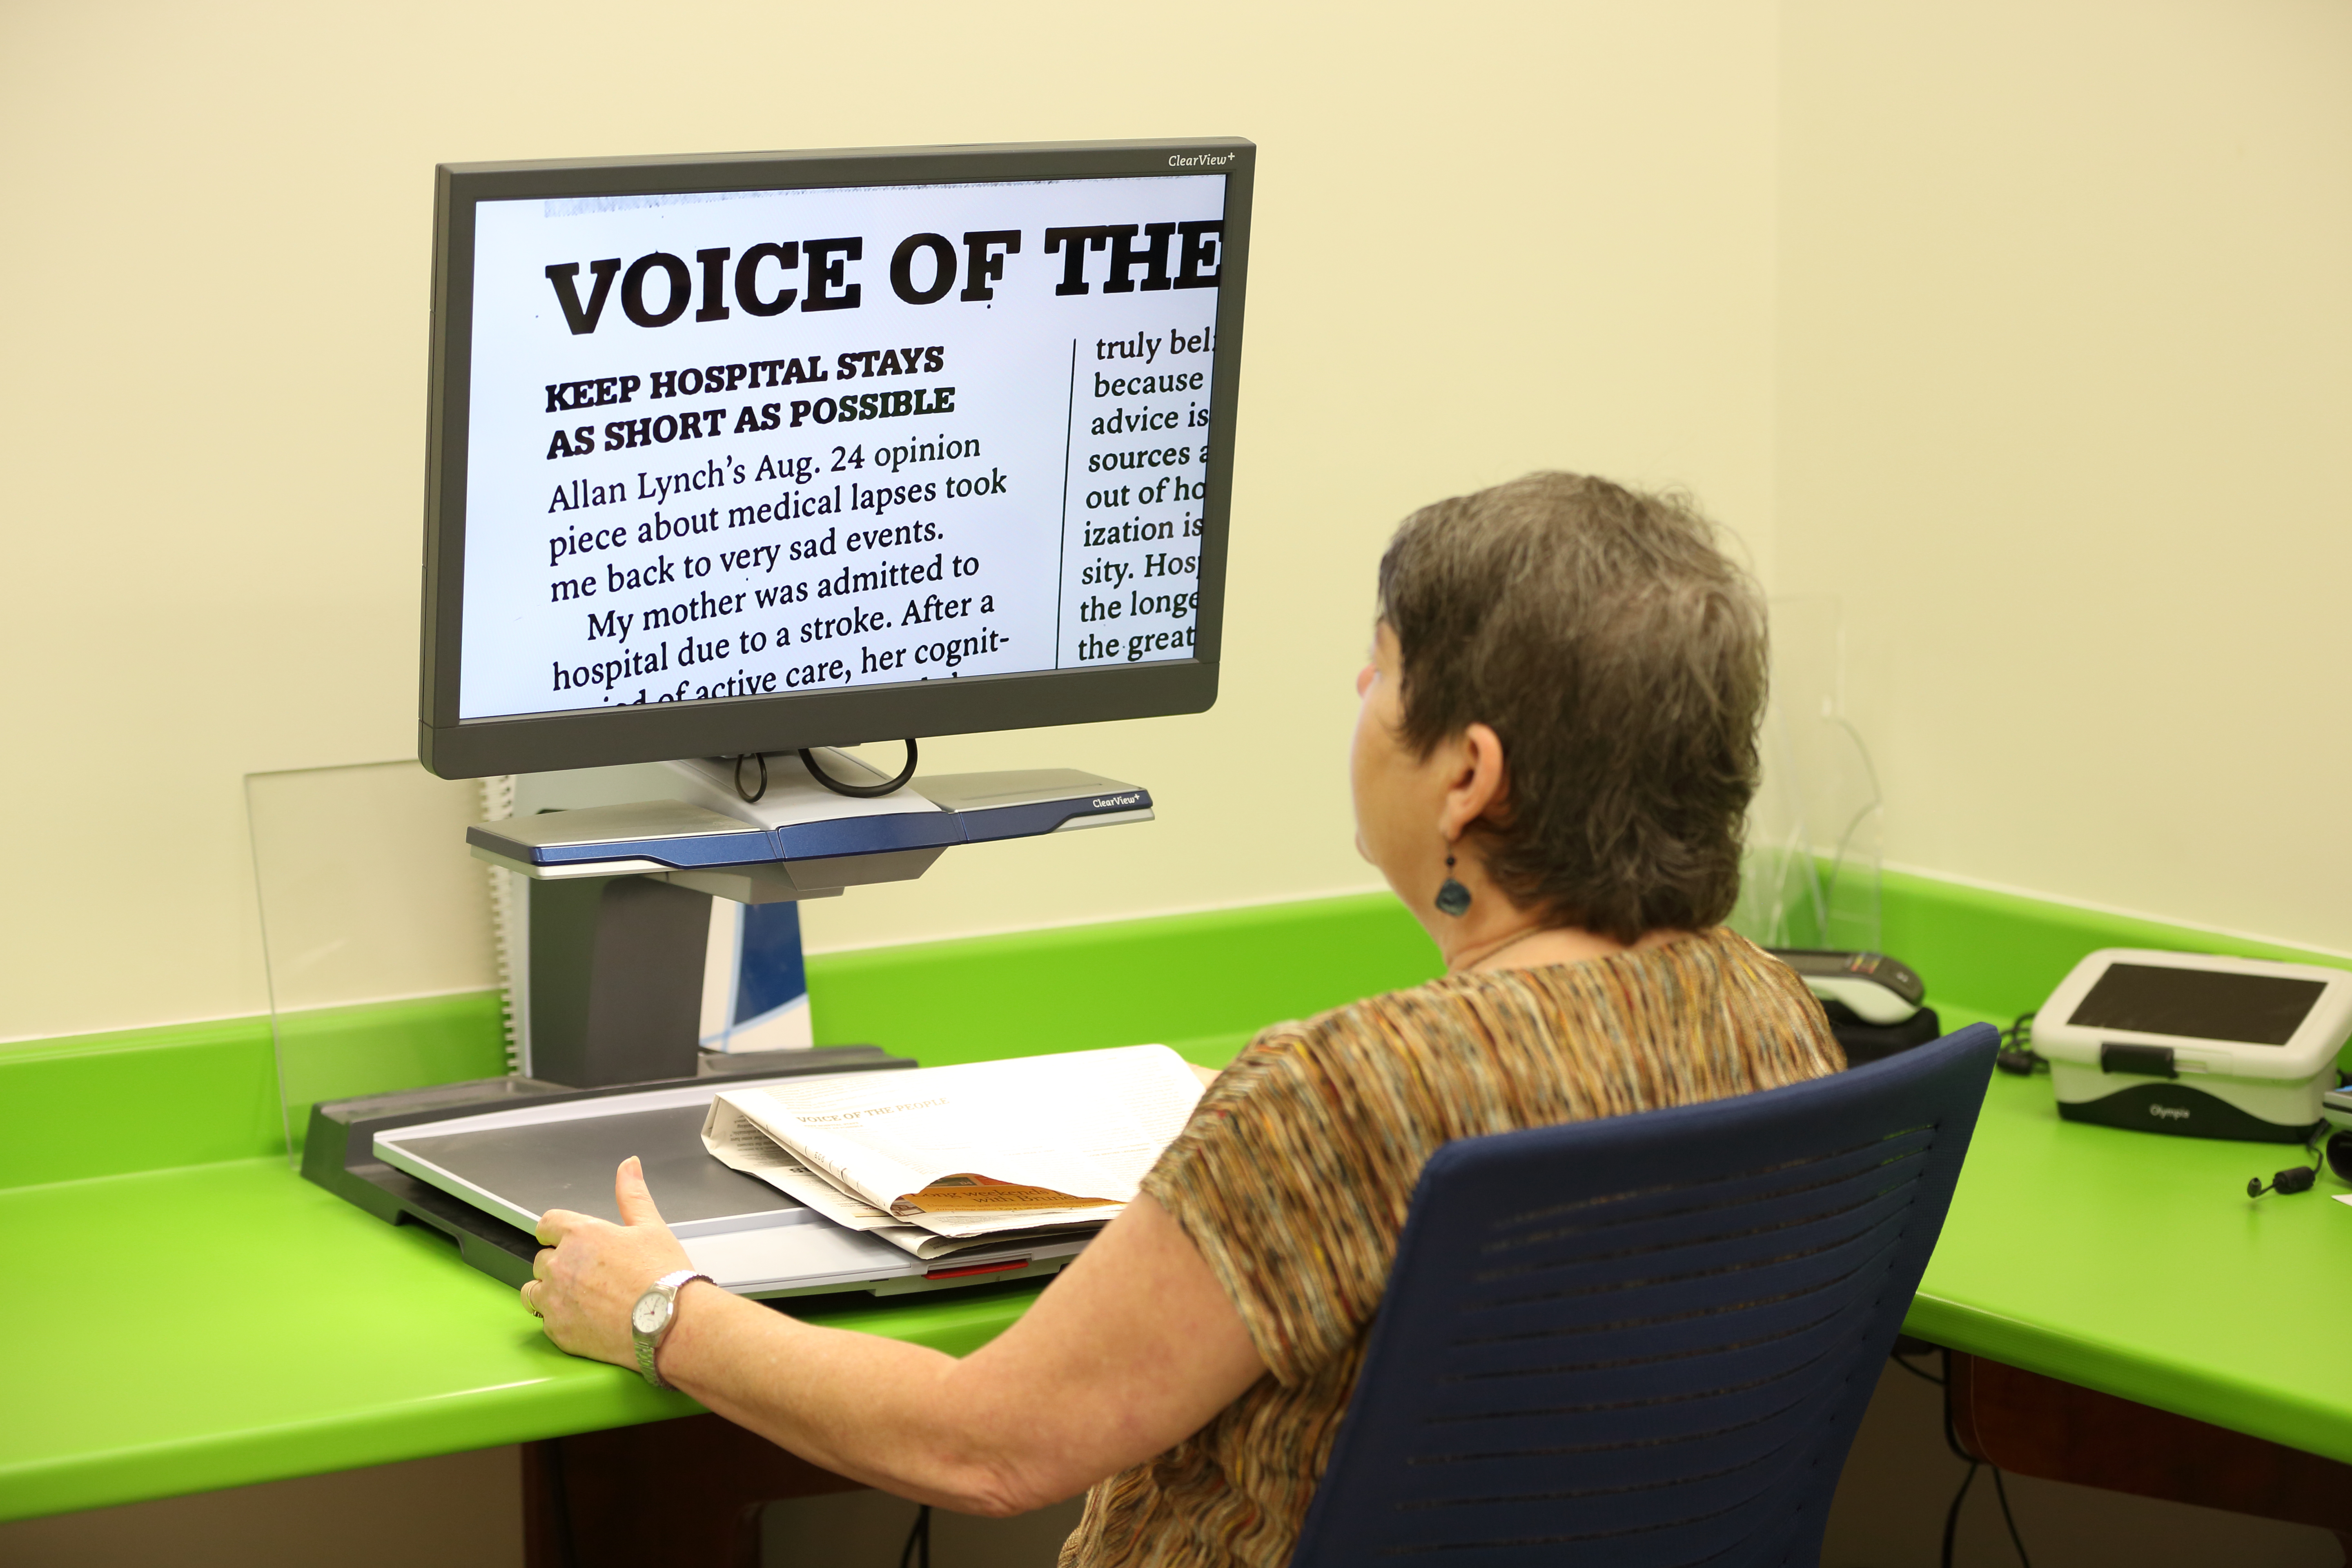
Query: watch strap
[649,1344]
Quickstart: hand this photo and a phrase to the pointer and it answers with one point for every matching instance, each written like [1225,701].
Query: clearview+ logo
[1101,801]
[1196,160]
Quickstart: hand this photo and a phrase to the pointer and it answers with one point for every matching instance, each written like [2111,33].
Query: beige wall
[2022,327]
[2065,398]
[1487,239]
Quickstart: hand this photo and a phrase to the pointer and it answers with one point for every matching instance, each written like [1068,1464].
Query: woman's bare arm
[1133,1348]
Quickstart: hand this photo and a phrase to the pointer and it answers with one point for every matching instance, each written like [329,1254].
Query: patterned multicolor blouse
[1294,1175]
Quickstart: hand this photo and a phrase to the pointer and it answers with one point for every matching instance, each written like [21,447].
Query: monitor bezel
[452,748]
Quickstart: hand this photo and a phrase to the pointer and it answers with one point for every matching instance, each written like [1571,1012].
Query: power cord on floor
[1952,1441]
[919,1537]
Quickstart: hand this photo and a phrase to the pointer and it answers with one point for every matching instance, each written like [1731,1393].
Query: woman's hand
[592,1273]
[1133,1348]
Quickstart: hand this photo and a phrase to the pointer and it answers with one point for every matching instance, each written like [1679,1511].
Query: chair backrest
[1647,1340]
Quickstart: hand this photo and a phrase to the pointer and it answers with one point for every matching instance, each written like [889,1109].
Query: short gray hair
[1621,658]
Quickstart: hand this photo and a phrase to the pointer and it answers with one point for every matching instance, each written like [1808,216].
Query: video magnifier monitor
[761,452]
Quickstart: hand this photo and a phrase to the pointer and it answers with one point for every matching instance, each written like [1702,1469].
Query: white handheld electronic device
[2194,1043]
[1874,988]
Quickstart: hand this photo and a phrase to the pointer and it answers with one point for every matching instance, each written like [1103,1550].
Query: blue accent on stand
[684,852]
[866,834]
[769,970]
[825,840]
[1647,1340]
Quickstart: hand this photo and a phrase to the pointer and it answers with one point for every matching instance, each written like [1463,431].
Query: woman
[1554,754]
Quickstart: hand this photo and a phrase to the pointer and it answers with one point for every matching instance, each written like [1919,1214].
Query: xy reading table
[196,1316]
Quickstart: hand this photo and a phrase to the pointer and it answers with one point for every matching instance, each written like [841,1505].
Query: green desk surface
[200,1317]
[2134,1263]
[204,1318]
[220,1324]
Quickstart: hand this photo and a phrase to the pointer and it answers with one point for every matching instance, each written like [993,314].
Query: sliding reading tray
[482,1161]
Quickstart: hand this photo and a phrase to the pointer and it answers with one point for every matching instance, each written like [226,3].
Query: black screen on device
[2258,1009]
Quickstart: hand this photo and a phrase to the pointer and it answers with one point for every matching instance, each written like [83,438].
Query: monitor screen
[752,454]
[2200,1004]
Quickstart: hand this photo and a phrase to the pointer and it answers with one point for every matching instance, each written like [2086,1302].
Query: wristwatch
[650,1318]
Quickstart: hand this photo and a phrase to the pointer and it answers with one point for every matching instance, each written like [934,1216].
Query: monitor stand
[610,938]
[616,868]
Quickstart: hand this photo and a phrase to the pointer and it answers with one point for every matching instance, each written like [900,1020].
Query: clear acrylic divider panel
[1810,876]
[378,929]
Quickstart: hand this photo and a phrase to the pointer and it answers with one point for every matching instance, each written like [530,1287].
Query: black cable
[861,792]
[1967,1479]
[2294,1178]
[1923,1376]
[751,796]
[1952,1514]
[2016,1054]
[1975,1463]
[2002,1492]
[1951,1432]
[919,1534]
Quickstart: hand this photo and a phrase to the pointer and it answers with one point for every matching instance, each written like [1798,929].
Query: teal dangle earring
[1453,898]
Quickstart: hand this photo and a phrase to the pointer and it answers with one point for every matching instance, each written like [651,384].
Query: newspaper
[942,1159]
[737,1141]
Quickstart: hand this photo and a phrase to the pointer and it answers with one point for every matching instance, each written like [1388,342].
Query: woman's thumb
[629,1192]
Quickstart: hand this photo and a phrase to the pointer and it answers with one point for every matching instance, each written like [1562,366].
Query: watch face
[650,1312]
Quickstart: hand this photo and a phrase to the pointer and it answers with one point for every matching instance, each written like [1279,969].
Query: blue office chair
[1648,1340]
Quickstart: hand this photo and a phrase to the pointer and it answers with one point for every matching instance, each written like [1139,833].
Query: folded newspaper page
[984,1152]
[737,1141]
